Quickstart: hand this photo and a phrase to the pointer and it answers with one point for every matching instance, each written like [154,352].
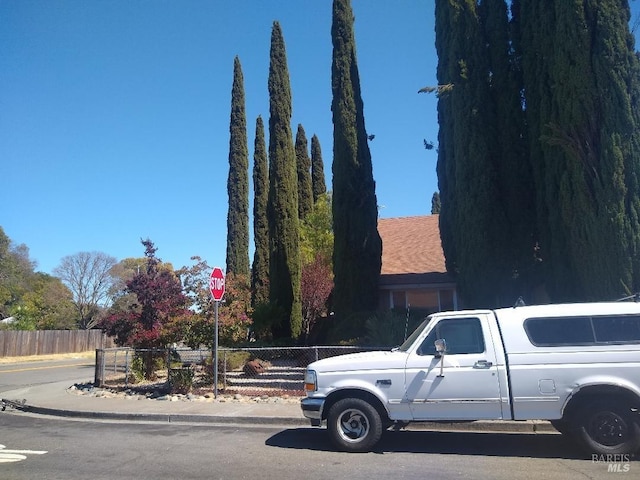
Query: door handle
[482,364]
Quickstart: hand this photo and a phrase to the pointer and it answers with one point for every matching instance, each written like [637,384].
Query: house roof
[412,251]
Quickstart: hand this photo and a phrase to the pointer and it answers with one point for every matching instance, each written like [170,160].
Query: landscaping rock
[253,368]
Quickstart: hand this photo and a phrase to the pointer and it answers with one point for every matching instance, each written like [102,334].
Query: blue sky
[114,114]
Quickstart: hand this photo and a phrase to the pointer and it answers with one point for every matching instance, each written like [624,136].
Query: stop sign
[216,283]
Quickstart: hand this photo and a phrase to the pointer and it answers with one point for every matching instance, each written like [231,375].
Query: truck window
[574,331]
[463,335]
[412,338]
[557,331]
[617,329]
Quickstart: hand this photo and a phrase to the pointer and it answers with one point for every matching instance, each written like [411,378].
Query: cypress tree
[318,184]
[578,66]
[435,203]
[282,212]
[357,245]
[260,269]
[303,162]
[238,180]
[472,219]
[508,153]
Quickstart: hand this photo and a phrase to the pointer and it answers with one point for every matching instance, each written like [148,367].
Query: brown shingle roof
[411,245]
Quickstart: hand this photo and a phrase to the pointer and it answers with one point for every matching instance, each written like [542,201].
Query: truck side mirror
[441,349]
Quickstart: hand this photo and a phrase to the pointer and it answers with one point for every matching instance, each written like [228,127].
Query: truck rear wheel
[354,425]
[608,428]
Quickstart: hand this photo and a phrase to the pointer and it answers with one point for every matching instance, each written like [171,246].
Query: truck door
[466,386]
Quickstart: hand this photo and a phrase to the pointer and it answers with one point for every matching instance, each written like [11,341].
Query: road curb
[542,427]
[161,417]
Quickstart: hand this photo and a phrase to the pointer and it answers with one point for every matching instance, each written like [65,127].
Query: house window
[431,300]
[427,299]
[385,300]
[399,299]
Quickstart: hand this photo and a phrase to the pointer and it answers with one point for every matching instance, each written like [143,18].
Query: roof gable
[411,245]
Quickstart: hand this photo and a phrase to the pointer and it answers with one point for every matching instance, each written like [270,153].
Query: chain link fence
[265,371]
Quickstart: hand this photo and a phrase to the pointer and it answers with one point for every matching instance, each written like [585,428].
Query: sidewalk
[57,400]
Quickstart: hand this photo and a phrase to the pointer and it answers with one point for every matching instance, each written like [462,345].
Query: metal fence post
[126,368]
[98,376]
[224,372]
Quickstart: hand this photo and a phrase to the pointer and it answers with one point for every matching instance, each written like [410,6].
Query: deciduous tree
[316,286]
[16,274]
[159,300]
[48,305]
[316,232]
[88,276]
[234,312]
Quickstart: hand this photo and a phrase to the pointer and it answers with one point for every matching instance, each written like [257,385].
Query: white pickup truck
[577,365]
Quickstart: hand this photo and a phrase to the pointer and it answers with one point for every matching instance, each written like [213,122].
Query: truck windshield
[412,338]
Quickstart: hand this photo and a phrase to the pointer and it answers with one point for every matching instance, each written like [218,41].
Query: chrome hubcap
[353,425]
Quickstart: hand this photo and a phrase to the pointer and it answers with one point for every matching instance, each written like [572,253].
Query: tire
[354,425]
[561,426]
[607,428]
[566,428]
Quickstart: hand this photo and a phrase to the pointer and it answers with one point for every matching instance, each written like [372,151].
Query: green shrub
[136,373]
[234,360]
[390,329]
[142,360]
[181,379]
[227,361]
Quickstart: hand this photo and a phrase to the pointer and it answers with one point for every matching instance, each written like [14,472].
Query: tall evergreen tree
[260,269]
[238,181]
[435,203]
[472,219]
[284,258]
[357,255]
[318,184]
[580,81]
[303,162]
[508,153]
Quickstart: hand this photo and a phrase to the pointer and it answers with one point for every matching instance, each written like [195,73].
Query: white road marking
[7,456]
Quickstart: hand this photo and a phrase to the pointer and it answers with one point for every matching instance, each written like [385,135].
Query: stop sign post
[216,286]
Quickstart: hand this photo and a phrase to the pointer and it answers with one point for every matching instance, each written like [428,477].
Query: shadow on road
[454,443]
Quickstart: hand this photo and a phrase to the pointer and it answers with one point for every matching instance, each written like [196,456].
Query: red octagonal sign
[216,283]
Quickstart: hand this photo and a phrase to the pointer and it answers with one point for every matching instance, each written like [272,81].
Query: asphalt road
[49,448]
[16,375]
[35,447]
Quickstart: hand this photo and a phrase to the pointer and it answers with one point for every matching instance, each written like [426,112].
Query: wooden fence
[22,343]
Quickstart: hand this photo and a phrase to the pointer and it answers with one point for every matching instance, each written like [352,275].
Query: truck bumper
[312,409]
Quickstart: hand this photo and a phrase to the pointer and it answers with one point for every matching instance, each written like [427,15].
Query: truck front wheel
[605,428]
[354,425]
